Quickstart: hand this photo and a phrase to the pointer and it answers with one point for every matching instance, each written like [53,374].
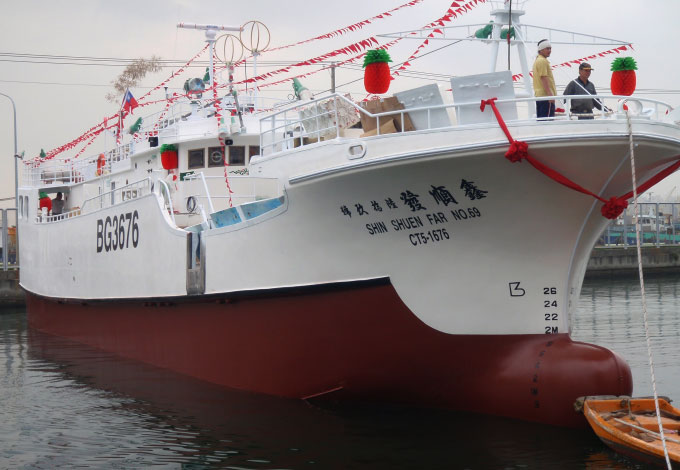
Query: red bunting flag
[616,50]
[353,27]
[431,25]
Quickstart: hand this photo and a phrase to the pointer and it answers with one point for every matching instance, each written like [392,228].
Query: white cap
[543,44]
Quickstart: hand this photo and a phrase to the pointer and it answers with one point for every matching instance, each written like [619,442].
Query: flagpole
[120,118]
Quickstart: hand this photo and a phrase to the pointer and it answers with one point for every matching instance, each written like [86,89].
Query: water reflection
[610,314]
[65,405]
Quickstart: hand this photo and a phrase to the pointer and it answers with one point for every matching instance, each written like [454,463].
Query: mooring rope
[642,289]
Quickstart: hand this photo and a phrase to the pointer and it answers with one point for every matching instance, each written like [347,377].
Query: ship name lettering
[431,236]
[407,223]
[464,214]
[436,218]
[114,233]
[376,228]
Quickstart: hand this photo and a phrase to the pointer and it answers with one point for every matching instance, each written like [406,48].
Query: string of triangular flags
[570,63]
[351,28]
[328,67]
[453,12]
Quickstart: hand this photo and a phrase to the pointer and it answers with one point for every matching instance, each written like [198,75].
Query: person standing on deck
[583,86]
[544,83]
[57,205]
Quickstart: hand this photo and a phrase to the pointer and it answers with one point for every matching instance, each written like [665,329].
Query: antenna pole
[333,77]
[255,54]
[210,33]
[509,31]
[210,39]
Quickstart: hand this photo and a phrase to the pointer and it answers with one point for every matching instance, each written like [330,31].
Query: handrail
[169,199]
[202,179]
[68,172]
[107,199]
[207,192]
[103,196]
[269,126]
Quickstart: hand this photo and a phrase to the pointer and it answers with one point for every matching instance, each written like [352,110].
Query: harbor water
[63,405]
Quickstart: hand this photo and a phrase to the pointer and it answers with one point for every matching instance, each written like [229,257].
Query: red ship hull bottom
[356,342]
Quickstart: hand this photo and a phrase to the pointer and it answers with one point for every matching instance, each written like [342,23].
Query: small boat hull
[353,341]
[630,426]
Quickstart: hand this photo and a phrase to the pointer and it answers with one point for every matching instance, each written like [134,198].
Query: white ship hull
[420,267]
[494,252]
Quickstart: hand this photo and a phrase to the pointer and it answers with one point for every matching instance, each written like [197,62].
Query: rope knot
[485,102]
[614,207]
[517,151]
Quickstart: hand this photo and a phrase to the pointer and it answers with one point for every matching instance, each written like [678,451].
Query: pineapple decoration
[623,76]
[377,72]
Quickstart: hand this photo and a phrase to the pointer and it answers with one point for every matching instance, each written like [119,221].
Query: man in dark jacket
[583,86]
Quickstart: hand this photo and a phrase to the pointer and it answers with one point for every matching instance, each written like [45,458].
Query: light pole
[16,170]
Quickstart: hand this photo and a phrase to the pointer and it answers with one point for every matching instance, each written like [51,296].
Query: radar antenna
[210,33]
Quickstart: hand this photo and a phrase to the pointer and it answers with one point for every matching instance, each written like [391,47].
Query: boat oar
[640,428]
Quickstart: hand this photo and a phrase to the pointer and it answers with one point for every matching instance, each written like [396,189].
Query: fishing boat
[324,249]
[630,426]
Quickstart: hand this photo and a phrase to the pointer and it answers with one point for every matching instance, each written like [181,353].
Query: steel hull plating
[431,272]
[350,341]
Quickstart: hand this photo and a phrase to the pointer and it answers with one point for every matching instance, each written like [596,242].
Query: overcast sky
[58,102]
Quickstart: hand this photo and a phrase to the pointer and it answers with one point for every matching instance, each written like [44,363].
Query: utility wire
[88,60]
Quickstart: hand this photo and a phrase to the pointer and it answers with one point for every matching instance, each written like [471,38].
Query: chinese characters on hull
[417,205]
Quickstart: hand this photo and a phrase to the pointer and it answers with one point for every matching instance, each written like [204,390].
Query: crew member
[544,83]
[583,86]
[58,205]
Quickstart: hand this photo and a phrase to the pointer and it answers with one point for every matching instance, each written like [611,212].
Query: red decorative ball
[377,78]
[45,202]
[169,159]
[623,82]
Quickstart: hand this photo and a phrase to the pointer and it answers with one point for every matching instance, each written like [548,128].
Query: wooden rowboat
[630,426]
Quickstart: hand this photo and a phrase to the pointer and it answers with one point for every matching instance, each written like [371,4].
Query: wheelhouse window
[196,158]
[215,157]
[237,155]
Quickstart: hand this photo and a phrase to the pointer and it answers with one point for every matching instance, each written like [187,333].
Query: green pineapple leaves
[376,55]
[623,63]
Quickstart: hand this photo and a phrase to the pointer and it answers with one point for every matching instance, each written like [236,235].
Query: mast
[508,16]
[210,34]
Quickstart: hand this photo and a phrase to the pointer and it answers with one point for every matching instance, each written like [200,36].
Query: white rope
[642,290]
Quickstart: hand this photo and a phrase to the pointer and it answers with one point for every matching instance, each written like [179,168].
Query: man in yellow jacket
[544,83]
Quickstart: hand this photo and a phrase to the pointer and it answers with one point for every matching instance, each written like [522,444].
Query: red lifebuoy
[101,163]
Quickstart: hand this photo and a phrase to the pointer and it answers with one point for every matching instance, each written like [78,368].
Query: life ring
[101,163]
[191,204]
[216,157]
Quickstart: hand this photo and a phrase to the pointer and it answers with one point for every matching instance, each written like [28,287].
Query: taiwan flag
[129,102]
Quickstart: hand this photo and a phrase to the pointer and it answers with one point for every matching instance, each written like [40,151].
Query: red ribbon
[611,209]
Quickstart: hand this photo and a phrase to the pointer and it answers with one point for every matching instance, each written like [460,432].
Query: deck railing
[63,172]
[257,188]
[102,201]
[312,121]
[67,172]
